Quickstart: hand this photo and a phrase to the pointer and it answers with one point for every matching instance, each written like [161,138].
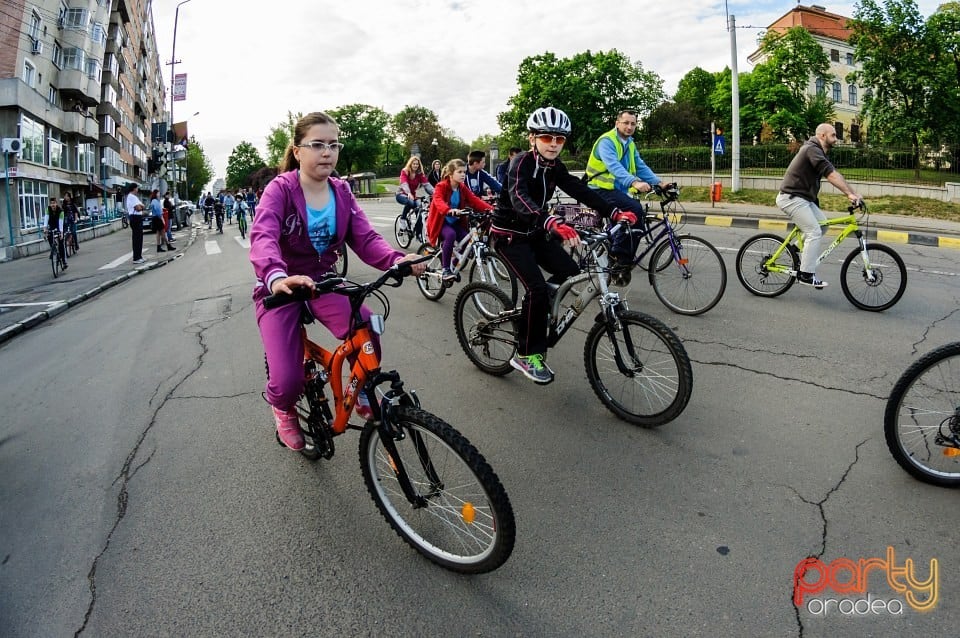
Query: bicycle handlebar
[334,284]
[862,205]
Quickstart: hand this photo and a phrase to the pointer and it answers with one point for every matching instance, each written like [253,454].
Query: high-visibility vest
[597,174]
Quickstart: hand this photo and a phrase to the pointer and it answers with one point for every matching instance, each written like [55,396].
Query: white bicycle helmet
[548,119]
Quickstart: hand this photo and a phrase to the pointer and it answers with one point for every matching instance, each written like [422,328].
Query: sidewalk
[889,229]
[29,295]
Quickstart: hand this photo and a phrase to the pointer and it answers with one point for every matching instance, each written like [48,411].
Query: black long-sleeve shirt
[531,183]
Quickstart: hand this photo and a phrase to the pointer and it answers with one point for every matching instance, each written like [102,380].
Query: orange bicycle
[434,488]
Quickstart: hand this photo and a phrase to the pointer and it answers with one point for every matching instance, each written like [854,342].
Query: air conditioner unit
[11,145]
[37,47]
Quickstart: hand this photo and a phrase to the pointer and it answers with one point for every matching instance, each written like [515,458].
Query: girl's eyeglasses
[552,139]
[318,146]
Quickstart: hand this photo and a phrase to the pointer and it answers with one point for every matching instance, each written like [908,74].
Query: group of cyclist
[61,221]
[307,213]
[226,204]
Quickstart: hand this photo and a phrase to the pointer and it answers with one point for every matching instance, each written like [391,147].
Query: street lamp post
[173,67]
[435,144]
[494,156]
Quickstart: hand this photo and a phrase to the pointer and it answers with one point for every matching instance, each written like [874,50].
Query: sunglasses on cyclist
[552,139]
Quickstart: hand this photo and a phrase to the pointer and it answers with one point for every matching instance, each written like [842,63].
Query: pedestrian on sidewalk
[135,214]
[169,214]
[799,196]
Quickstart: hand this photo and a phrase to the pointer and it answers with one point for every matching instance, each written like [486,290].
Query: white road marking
[118,261]
[212,247]
[243,241]
[30,303]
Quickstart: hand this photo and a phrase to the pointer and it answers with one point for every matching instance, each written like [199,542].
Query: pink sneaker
[288,428]
[363,409]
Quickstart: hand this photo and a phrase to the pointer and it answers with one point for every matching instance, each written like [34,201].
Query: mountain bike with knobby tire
[473,252]
[429,482]
[873,276]
[921,422]
[635,364]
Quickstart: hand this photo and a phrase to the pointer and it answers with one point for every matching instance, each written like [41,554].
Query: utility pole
[173,66]
[735,105]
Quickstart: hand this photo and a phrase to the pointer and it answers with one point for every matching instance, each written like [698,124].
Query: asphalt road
[143,493]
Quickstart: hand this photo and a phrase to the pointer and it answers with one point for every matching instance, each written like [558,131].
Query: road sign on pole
[718,144]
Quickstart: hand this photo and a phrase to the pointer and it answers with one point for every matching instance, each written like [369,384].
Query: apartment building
[80,87]
[831,32]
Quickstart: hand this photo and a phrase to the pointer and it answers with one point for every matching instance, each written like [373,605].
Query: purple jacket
[280,245]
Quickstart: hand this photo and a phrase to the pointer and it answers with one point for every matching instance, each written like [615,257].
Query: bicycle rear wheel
[693,281]
[503,277]
[487,340]
[752,268]
[461,517]
[430,282]
[402,231]
[882,287]
[55,261]
[658,380]
[69,245]
[921,422]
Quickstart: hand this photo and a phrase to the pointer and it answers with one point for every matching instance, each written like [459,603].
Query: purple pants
[280,332]
[450,235]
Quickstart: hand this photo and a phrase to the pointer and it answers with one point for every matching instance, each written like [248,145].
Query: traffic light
[705,137]
[155,162]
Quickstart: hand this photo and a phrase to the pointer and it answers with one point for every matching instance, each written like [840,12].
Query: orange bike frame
[366,365]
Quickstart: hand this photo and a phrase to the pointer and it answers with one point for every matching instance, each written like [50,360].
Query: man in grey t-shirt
[799,196]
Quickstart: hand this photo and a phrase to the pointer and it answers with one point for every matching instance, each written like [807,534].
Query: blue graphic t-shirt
[322,225]
[454,203]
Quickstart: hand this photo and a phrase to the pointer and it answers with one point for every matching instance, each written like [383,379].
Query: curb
[34,320]
[872,231]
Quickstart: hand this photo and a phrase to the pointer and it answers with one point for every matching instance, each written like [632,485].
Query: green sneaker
[533,367]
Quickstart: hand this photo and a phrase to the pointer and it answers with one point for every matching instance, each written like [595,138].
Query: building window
[57,56]
[834,55]
[852,94]
[29,73]
[94,70]
[855,133]
[73,58]
[53,96]
[849,59]
[821,86]
[76,18]
[111,64]
[836,92]
[32,135]
[109,126]
[33,203]
[34,29]
[57,157]
[85,158]
[838,127]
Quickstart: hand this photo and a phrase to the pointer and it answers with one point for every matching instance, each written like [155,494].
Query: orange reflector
[392,464]
[468,513]
[684,261]
[951,451]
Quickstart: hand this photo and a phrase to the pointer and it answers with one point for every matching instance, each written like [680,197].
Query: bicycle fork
[613,325]
[391,432]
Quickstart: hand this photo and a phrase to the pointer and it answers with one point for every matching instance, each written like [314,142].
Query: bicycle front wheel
[502,277]
[340,265]
[55,262]
[753,270]
[922,420]
[488,340]
[460,517]
[402,231]
[695,279]
[430,282]
[655,382]
[881,286]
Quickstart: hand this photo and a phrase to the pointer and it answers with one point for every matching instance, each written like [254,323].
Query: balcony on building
[75,84]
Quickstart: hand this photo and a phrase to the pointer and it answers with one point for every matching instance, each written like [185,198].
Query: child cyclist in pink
[451,194]
[303,216]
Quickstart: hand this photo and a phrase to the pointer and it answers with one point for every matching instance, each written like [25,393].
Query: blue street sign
[718,143]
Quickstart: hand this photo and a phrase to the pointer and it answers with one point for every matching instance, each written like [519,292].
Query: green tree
[895,54]
[943,27]
[590,87]
[243,161]
[419,125]
[199,171]
[280,137]
[673,123]
[694,90]
[362,131]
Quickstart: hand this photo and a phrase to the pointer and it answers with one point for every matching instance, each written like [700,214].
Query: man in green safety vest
[614,169]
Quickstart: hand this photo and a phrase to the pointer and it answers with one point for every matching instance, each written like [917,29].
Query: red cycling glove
[557,226]
[623,216]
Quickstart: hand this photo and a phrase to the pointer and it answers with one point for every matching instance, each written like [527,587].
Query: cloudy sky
[249,63]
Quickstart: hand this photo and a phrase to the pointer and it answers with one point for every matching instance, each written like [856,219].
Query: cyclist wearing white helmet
[522,226]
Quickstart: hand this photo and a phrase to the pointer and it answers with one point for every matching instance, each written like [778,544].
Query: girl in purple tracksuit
[303,216]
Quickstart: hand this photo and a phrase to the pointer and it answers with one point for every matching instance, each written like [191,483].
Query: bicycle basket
[579,216]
